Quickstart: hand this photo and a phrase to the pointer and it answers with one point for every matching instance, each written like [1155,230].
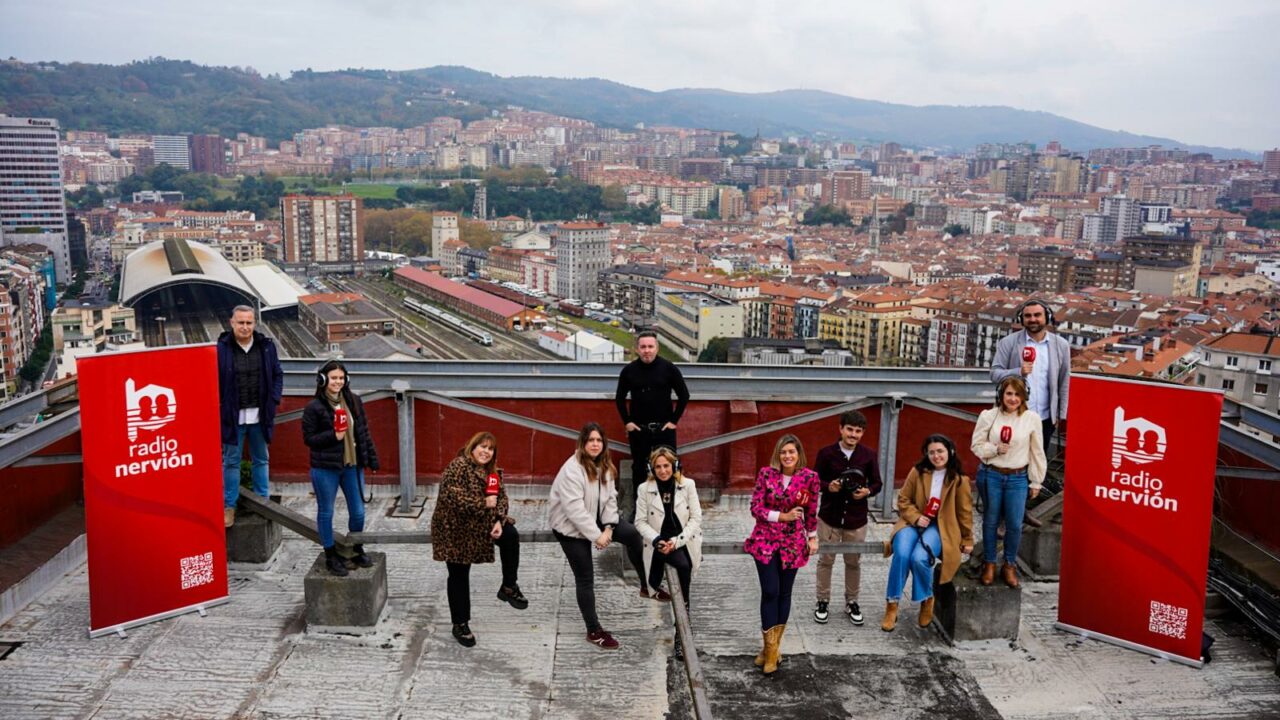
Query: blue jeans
[1004,497]
[910,556]
[326,483]
[231,455]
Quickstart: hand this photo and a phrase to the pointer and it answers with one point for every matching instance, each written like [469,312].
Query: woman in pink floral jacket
[785,506]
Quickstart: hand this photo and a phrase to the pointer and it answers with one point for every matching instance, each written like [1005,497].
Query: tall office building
[1271,162]
[32,206]
[323,230]
[208,154]
[175,150]
[582,251]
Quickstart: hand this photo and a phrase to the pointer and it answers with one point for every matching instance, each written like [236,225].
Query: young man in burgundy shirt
[849,474]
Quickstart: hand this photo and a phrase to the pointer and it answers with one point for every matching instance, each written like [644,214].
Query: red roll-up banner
[150,434]
[1137,512]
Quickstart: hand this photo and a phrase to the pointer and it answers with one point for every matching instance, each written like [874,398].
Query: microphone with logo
[341,421]
[1028,354]
[493,484]
[1006,434]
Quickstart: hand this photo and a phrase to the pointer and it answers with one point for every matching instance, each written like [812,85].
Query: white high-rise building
[32,206]
[582,251]
[172,149]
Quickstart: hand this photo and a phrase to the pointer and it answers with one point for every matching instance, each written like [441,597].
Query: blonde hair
[662,451]
[783,441]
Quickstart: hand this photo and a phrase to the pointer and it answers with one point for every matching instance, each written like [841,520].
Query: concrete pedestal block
[253,539]
[1041,548]
[969,610]
[345,604]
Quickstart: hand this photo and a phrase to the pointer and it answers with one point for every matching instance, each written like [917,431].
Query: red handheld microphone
[492,484]
[1028,353]
[802,499]
[1006,434]
[340,420]
[931,510]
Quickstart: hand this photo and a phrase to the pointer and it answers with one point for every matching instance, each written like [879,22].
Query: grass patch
[368,192]
[623,338]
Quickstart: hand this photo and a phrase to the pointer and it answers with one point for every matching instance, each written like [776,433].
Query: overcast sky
[1199,72]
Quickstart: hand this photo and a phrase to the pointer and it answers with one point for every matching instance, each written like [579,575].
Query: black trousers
[458,585]
[775,591]
[678,559]
[642,443]
[578,552]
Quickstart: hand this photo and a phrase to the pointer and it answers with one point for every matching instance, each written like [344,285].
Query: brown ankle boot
[1010,575]
[764,648]
[926,612]
[890,616]
[988,573]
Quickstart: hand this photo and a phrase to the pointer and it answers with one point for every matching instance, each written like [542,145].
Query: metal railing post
[405,436]
[889,411]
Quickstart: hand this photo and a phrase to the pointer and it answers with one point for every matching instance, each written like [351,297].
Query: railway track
[504,347]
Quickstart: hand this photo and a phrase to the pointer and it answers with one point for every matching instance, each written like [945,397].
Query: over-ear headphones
[322,375]
[648,465]
[1048,310]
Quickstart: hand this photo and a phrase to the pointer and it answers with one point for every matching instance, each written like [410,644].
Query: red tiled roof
[465,293]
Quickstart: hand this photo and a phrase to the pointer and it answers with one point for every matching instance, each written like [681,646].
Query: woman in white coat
[669,518]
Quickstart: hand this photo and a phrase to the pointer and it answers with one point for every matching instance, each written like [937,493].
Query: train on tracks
[478,334]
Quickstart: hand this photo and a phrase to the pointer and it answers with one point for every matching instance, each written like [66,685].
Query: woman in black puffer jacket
[335,428]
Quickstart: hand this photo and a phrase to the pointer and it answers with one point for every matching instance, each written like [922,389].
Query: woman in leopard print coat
[467,523]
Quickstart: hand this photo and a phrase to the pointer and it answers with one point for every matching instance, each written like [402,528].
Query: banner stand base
[1197,664]
[120,629]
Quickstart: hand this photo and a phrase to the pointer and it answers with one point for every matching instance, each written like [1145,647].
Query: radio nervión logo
[150,407]
[1137,440]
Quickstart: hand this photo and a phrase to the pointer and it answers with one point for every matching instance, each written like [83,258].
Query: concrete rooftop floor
[253,657]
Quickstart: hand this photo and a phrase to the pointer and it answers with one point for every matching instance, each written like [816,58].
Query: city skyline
[1134,68]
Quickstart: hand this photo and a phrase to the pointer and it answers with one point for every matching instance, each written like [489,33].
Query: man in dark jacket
[250,385]
[849,475]
[650,419]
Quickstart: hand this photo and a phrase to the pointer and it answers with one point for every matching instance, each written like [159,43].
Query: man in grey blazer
[1047,375]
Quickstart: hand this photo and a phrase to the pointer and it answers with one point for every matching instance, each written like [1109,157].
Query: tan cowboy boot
[772,651]
[764,648]
[926,612]
[890,616]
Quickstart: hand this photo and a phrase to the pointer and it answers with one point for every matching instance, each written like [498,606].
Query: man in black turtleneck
[650,420]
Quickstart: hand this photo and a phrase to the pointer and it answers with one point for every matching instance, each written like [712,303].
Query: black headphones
[322,375]
[1049,319]
[648,463]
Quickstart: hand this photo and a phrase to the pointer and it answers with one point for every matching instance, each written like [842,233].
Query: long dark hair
[322,384]
[953,460]
[602,465]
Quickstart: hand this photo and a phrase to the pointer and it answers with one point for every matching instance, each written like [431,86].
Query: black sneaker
[513,596]
[820,614]
[464,635]
[854,612]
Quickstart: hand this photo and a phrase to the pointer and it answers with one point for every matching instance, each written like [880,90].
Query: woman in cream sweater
[1007,439]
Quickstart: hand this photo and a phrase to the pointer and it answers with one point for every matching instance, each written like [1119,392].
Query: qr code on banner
[197,570]
[1168,620]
